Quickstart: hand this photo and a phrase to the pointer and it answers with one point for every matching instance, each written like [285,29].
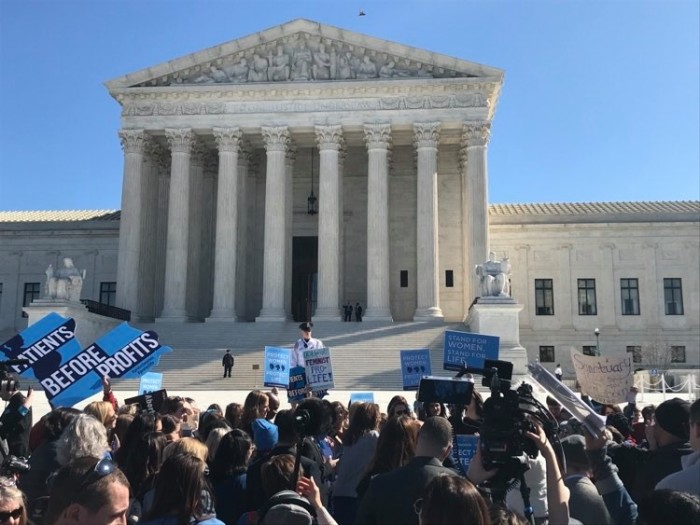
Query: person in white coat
[305,342]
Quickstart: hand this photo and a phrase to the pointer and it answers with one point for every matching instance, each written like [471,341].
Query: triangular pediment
[303,51]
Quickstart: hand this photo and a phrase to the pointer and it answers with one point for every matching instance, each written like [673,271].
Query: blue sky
[601,100]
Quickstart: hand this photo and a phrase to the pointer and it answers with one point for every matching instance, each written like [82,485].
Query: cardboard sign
[463,450]
[276,371]
[319,369]
[151,402]
[297,384]
[605,379]
[150,382]
[462,348]
[415,364]
[362,397]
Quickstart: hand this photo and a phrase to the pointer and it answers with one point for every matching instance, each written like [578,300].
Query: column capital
[228,139]
[276,138]
[329,137]
[180,140]
[377,136]
[426,134]
[133,140]
[476,134]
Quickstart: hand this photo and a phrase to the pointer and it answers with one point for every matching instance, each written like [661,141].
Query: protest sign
[463,450]
[605,379]
[319,369]
[297,384]
[69,374]
[150,382]
[362,397]
[276,371]
[151,401]
[462,348]
[414,365]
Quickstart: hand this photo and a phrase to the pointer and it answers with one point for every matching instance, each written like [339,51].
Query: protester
[398,406]
[84,436]
[187,445]
[170,427]
[88,491]
[451,499]
[358,450]
[104,412]
[228,475]
[213,442]
[13,505]
[687,479]
[665,507]
[255,407]
[305,342]
[144,463]
[390,497]
[233,414]
[265,435]
[141,425]
[16,419]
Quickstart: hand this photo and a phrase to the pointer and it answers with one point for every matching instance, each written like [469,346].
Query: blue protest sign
[297,384]
[414,365]
[150,382]
[125,352]
[46,345]
[319,369]
[471,349]
[276,367]
[362,397]
[463,450]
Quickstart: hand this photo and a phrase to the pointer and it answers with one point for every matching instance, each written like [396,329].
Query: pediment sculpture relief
[304,58]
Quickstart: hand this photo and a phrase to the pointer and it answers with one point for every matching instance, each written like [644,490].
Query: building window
[544,297]
[404,278]
[449,279]
[32,291]
[629,289]
[636,352]
[546,354]
[678,354]
[586,297]
[673,296]
[108,293]
[589,350]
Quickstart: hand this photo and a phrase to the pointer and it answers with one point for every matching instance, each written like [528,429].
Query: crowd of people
[327,463]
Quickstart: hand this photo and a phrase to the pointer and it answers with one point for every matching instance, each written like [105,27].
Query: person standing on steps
[358,313]
[227,363]
[558,372]
[305,342]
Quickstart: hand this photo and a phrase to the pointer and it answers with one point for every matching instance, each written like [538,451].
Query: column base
[428,314]
[377,314]
[327,314]
[226,315]
[271,314]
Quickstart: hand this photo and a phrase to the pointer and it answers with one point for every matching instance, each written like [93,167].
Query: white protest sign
[319,370]
[605,379]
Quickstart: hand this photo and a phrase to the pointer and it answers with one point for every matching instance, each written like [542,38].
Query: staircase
[365,355]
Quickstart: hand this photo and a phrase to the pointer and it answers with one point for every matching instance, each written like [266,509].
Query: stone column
[194,241]
[244,157]
[427,276]
[133,143]
[329,140]
[161,242]
[290,159]
[175,289]
[228,140]
[274,259]
[475,202]
[378,139]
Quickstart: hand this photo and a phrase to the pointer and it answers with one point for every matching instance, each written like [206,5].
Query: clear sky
[601,100]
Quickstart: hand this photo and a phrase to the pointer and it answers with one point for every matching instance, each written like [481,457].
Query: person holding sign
[305,342]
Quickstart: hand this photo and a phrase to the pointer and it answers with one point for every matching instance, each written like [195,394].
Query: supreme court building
[278,176]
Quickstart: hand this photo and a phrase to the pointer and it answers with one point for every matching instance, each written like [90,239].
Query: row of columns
[280,151]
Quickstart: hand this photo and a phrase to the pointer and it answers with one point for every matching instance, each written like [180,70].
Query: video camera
[8,381]
[14,465]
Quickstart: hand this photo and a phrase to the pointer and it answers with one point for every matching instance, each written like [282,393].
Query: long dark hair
[396,445]
[178,489]
[145,460]
[232,455]
[363,418]
[142,424]
[453,499]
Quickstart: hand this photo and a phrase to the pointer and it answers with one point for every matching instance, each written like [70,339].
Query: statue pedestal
[499,316]
[88,326]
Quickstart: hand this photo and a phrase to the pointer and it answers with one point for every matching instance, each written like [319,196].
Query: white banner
[605,379]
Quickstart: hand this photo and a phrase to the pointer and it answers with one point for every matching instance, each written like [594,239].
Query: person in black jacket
[227,363]
[16,420]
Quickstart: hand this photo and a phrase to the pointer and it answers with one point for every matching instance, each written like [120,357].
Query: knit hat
[673,415]
[574,447]
[265,434]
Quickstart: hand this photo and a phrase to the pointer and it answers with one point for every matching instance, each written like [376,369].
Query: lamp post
[597,341]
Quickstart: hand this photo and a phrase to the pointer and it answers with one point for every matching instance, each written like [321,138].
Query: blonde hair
[186,445]
[102,411]
[10,492]
[214,439]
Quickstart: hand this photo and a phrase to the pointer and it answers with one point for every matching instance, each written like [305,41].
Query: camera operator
[16,419]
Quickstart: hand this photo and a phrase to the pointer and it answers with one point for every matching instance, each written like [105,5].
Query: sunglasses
[15,515]
[104,467]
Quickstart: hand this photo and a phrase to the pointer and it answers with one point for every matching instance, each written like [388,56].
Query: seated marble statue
[258,69]
[65,283]
[494,277]
[279,65]
[367,69]
[238,72]
[321,69]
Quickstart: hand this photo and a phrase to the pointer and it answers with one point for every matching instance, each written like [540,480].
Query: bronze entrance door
[304,275]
